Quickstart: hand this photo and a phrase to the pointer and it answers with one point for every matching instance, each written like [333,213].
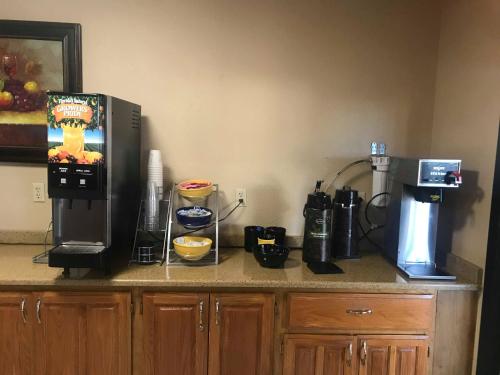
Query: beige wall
[265,95]
[467,114]
[467,110]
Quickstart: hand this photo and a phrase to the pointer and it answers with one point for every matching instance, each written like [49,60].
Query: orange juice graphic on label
[73,140]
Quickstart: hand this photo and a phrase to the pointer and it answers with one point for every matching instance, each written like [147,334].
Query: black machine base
[323,268]
[80,256]
[425,272]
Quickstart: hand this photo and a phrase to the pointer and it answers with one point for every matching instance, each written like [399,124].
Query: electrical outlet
[241,194]
[38,192]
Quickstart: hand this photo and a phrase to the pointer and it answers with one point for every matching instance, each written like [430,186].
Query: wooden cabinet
[50,333]
[388,334]
[393,355]
[198,333]
[175,333]
[319,355]
[16,334]
[82,333]
[350,355]
[241,334]
[321,312]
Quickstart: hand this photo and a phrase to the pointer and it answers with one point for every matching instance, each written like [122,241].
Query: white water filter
[380,166]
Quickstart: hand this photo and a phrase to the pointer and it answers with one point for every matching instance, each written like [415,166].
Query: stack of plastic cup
[152,214]
[155,171]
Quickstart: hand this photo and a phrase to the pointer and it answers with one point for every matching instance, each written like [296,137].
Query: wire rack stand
[150,246]
[177,230]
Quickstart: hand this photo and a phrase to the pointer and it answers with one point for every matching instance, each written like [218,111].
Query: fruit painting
[35,57]
[28,69]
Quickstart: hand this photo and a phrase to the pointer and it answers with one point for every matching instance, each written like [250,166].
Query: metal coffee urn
[345,223]
[317,246]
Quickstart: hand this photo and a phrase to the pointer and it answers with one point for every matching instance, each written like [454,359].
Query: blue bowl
[193,220]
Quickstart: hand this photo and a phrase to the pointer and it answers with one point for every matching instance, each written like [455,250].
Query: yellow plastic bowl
[190,252]
[200,192]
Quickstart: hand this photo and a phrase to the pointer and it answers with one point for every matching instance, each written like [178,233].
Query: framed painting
[35,57]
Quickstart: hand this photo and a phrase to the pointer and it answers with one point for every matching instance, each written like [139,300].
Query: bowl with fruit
[22,98]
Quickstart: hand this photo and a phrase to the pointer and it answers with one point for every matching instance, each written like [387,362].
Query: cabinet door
[15,334]
[175,337]
[319,355]
[241,334]
[393,355]
[82,333]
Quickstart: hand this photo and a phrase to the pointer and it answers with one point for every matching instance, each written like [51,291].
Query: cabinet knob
[38,303]
[217,312]
[364,353]
[201,325]
[359,312]
[23,310]
[349,355]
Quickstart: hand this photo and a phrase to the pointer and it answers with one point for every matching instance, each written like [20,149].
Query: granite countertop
[237,269]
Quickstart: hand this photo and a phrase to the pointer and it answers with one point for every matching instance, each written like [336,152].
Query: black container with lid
[345,223]
[317,246]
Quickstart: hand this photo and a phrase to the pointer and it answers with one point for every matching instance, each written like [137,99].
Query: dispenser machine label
[76,140]
[75,134]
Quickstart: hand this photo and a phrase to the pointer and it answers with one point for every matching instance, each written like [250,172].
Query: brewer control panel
[439,173]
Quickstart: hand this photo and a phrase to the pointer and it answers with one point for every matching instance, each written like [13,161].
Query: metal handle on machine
[217,312]
[38,303]
[202,327]
[359,312]
[349,355]
[364,353]
[23,311]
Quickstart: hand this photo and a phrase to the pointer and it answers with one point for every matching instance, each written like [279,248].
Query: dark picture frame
[34,137]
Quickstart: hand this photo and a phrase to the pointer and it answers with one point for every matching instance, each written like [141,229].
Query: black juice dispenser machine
[93,177]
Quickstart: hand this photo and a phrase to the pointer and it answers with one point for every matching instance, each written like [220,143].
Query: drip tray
[78,248]
[76,255]
[425,271]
